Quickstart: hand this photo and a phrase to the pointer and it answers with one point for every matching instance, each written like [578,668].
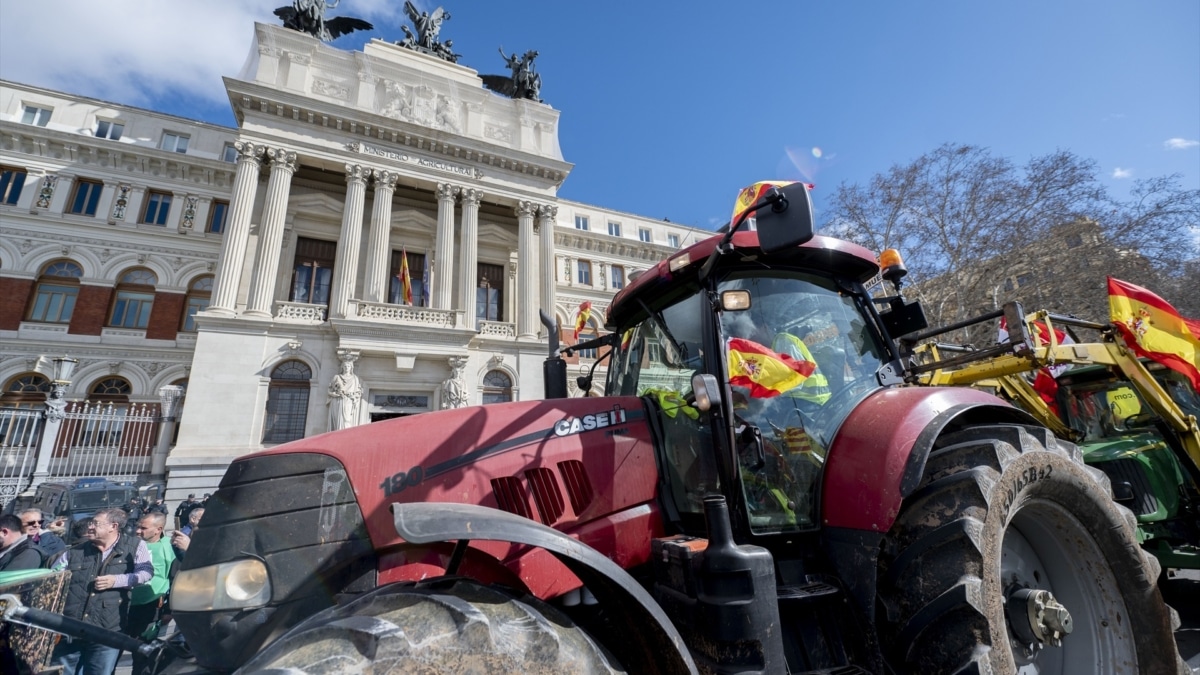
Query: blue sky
[668,108]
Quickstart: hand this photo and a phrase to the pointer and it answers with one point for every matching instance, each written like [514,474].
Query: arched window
[198,297]
[287,402]
[57,288]
[25,391]
[497,387]
[133,299]
[111,389]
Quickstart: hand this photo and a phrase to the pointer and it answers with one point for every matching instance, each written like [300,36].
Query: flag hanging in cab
[763,371]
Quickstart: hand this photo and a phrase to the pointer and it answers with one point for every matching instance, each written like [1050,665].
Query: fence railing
[111,440]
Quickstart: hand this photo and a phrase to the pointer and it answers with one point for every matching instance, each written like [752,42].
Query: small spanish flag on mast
[763,371]
[1154,329]
[405,279]
[582,316]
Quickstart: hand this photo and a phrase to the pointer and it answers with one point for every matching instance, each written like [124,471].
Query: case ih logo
[575,425]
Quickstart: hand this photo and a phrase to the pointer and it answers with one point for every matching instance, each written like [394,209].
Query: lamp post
[169,396]
[56,412]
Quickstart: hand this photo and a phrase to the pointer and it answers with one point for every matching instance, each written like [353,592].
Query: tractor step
[813,590]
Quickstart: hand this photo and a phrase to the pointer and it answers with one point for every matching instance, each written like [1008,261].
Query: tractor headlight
[231,585]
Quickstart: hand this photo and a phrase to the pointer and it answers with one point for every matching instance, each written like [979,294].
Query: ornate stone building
[253,264]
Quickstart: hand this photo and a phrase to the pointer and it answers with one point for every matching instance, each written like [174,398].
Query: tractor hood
[1125,446]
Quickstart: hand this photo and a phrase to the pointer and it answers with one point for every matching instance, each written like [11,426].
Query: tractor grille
[542,485]
[1131,471]
[579,488]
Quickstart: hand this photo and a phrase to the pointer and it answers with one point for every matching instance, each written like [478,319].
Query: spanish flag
[1153,329]
[405,279]
[749,196]
[764,372]
[582,316]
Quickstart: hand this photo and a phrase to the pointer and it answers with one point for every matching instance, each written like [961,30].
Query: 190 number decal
[1027,477]
[398,482]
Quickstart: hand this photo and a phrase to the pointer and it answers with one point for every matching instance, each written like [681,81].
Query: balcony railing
[299,312]
[408,315]
[497,329]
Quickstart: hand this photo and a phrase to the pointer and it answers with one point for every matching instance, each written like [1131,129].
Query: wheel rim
[1045,547]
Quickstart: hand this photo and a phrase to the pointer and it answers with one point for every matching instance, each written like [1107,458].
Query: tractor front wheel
[448,625]
[1011,557]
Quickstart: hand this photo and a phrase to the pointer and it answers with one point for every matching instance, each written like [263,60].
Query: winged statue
[428,25]
[308,16]
[522,81]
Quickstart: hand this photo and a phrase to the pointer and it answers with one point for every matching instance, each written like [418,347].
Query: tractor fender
[878,456]
[651,641]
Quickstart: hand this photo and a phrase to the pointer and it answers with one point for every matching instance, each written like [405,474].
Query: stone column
[376,281]
[237,234]
[270,233]
[546,216]
[527,290]
[469,255]
[346,267]
[443,274]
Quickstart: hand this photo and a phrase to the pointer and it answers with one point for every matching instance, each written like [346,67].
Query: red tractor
[756,491]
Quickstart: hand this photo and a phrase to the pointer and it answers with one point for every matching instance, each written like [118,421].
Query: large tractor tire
[447,625]
[1011,557]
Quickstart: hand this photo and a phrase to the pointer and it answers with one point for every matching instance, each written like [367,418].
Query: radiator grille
[1131,471]
[546,494]
[579,488]
[510,496]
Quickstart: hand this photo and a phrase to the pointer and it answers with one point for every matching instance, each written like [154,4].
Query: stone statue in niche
[308,16]
[345,394]
[454,390]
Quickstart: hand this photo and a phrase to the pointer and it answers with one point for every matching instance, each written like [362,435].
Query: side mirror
[788,222]
[705,392]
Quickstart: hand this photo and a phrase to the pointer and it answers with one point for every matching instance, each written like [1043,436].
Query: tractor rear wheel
[448,625]
[1011,557]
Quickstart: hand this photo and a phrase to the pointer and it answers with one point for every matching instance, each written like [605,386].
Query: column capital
[548,211]
[526,208]
[385,179]
[357,173]
[249,152]
[471,196]
[282,158]
[447,191]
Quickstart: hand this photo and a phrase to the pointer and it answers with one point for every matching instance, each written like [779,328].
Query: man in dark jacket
[33,521]
[103,570]
[185,507]
[17,552]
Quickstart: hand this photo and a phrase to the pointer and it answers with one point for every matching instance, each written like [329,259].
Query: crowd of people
[121,565]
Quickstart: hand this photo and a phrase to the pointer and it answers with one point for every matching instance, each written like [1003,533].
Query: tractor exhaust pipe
[554,368]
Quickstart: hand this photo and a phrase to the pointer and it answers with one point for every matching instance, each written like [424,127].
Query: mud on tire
[1005,507]
[440,626]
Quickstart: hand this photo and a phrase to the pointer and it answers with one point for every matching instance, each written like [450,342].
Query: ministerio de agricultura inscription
[424,162]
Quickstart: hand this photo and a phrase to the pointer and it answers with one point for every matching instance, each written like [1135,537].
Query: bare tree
[976,230]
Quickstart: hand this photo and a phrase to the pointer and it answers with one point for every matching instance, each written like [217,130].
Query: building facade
[375,238]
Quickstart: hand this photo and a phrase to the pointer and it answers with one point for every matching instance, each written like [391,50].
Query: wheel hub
[1037,617]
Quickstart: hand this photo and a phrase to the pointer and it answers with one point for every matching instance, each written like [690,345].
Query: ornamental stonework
[49,182]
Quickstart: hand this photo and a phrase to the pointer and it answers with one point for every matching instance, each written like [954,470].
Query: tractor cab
[753,347]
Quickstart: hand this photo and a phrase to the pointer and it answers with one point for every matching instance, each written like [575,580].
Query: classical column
[527,290]
[346,267]
[468,255]
[443,275]
[233,242]
[376,280]
[546,216]
[270,233]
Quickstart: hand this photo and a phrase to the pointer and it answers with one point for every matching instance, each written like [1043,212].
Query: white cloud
[1122,173]
[1179,144]
[135,51]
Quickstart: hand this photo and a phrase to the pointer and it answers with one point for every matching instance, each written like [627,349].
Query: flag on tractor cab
[405,279]
[763,371]
[749,196]
[1154,329]
[582,316]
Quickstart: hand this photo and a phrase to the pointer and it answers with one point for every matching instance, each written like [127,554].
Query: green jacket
[162,556]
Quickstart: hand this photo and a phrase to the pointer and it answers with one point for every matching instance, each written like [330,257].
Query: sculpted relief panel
[420,105]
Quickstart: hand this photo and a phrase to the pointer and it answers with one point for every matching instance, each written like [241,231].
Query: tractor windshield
[799,359]
[1104,408]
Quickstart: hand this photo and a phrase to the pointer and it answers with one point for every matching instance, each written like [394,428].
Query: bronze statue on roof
[428,26]
[522,82]
[308,16]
